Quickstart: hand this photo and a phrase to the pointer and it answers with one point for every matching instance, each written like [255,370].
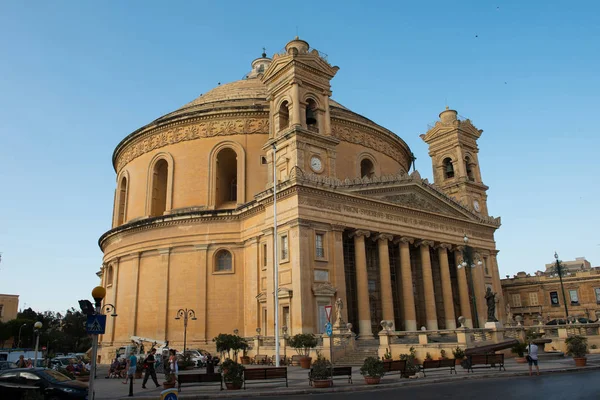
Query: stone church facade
[193,215]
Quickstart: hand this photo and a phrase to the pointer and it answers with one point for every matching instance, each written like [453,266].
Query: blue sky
[77,77]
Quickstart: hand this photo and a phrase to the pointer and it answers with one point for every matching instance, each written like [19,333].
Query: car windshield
[54,376]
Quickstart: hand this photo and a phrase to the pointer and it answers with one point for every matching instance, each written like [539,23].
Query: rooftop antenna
[264,53]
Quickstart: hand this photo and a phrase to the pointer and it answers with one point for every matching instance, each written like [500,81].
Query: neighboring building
[9,306]
[579,264]
[193,215]
[540,295]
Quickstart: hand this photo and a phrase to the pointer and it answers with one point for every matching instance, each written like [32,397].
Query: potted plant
[227,343]
[428,357]
[458,354]
[519,350]
[320,373]
[373,370]
[411,363]
[387,356]
[233,374]
[443,354]
[577,347]
[302,343]
[245,359]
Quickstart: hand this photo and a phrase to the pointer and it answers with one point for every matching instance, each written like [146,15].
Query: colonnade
[407,301]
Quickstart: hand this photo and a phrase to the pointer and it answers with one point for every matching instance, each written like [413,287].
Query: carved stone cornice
[458,248]
[338,228]
[383,236]
[360,233]
[262,297]
[446,246]
[201,247]
[164,251]
[324,289]
[426,243]
[404,239]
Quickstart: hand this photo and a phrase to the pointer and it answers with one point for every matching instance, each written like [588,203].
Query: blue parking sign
[328,329]
[95,324]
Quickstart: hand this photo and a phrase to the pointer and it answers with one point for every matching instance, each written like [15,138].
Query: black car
[53,384]
[7,365]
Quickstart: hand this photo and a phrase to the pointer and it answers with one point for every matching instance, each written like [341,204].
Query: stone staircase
[364,349]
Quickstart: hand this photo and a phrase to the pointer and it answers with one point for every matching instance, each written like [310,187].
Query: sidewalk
[298,381]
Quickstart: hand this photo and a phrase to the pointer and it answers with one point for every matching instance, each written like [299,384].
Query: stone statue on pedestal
[339,305]
[490,298]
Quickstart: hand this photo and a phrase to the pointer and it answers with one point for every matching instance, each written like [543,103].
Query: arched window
[160,175]
[469,169]
[448,168]
[121,201]
[226,177]
[367,169]
[284,115]
[223,261]
[311,115]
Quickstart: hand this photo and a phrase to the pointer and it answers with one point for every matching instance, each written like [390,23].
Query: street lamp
[561,270]
[467,254]
[19,342]
[185,314]
[36,330]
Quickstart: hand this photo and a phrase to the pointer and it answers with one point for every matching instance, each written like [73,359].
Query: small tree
[458,353]
[577,346]
[303,342]
[519,349]
[226,343]
[373,368]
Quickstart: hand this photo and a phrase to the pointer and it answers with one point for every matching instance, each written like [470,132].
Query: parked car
[62,362]
[198,358]
[7,365]
[52,384]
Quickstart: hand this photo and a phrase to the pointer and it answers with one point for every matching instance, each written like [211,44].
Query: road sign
[43,347]
[169,394]
[328,312]
[95,324]
[329,329]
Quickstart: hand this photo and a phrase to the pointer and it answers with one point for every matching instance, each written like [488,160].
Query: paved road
[571,386]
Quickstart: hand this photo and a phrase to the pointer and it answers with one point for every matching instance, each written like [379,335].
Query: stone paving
[298,381]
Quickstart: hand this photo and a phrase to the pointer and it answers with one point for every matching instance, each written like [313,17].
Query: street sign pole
[329,332]
[94,357]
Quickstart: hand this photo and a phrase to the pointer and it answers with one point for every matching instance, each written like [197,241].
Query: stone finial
[448,116]
[461,321]
[519,320]
[349,326]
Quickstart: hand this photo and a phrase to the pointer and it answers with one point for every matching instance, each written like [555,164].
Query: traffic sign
[95,324]
[43,347]
[169,394]
[329,329]
[328,312]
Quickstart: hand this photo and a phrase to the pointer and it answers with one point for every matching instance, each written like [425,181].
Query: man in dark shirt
[149,365]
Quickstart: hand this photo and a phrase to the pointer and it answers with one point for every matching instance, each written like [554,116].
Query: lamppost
[561,270]
[185,314]
[19,342]
[467,254]
[36,330]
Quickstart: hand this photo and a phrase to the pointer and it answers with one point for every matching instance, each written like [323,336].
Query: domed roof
[249,91]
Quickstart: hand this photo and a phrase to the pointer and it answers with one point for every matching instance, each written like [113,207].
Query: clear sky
[78,76]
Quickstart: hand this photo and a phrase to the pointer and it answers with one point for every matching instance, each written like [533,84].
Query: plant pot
[169,385]
[580,361]
[457,361]
[245,360]
[372,380]
[138,375]
[521,360]
[233,385]
[305,362]
[320,384]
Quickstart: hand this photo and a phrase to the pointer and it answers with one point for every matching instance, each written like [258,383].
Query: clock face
[476,205]
[316,164]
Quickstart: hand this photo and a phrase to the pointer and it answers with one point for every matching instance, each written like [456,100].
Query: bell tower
[298,87]
[453,151]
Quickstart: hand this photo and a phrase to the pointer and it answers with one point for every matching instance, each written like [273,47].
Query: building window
[319,245]
[533,299]
[264,255]
[469,169]
[264,322]
[574,296]
[448,168]
[226,177]
[311,115]
[223,261]
[554,299]
[122,201]
[284,248]
[367,169]
[516,300]
[1,310]
[284,115]
[597,290]
[160,176]
[286,319]
[263,160]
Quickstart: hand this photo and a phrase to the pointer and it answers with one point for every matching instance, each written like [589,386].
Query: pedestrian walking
[131,367]
[150,371]
[21,363]
[532,357]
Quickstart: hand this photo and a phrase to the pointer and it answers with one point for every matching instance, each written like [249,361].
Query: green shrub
[372,367]
[519,349]
[577,346]
[321,369]
[411,365]
[232,372]
[458,353]
[303,342]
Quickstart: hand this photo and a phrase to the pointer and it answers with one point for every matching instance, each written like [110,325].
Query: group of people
[23,363]
[150,363]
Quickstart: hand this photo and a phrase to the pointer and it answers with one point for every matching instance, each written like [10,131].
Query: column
[463,289]
[501,304]
[339,275]
[163,305]
[136,286]
[385,278]
[200,301]
[479,292]
[362,285]
[296,117]
[446,287]
[114,302]
[408,296]
[430,311]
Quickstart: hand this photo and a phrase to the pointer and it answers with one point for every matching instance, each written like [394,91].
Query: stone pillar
[114,302]
[339,275]
[479,292]
[449,316]
[135,291]
[296,115]
[163,305]
[430,310]
[463,289]
[501,304]
[200,305]
[408,297]
[385,277]
[362,285]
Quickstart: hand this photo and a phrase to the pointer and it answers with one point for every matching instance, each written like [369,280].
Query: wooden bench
[198,379]
[445,363]
[260,359]
[396,366]
[295,360]
[278,374]
[486,361]
[344,372]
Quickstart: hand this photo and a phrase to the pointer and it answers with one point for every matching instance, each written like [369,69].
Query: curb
[363,388]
